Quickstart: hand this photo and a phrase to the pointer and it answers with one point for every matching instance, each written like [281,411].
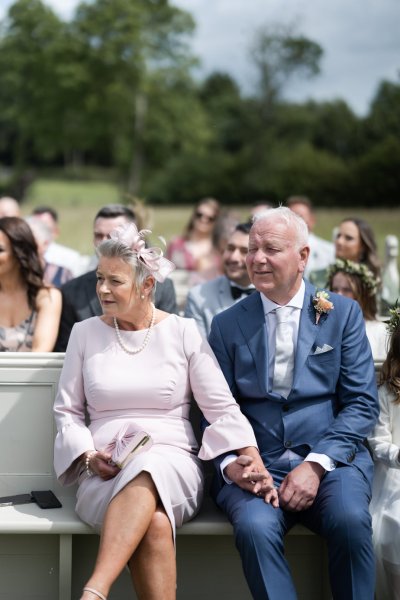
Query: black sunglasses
[200,215]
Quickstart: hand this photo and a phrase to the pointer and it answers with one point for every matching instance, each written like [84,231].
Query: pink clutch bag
[129,441]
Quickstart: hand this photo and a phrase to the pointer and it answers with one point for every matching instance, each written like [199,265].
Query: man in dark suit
[300,366]
[79,295]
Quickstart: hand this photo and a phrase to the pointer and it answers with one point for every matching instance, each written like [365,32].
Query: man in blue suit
[306,383]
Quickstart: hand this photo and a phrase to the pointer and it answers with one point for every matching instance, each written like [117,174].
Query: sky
[360,39]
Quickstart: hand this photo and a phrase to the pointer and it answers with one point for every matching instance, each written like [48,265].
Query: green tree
[31,43]
[279,55]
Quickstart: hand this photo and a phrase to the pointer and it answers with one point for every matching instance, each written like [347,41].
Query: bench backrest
[28,385]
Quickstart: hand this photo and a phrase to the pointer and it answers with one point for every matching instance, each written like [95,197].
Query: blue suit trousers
[339,514]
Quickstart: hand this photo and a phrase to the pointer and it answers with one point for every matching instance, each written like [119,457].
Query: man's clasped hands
[296,492]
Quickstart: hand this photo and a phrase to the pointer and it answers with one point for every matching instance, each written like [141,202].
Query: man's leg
[259,531]
[340,514]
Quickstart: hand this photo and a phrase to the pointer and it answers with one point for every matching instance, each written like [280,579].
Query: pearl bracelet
[88,458]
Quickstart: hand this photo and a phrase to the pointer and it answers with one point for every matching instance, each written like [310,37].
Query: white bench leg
[65,567]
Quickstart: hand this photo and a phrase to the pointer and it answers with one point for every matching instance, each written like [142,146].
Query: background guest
[206,300]
[356,281]
[9,207]
[194,251]
[80,300]
[53,274]
[56,253]
[354,241]
[385,445]
[29,310]
[322,252]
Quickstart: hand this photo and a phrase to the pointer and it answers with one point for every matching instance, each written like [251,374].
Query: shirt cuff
[322,459]
[227,461]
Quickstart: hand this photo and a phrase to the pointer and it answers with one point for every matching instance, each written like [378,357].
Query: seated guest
[9,207]
[354,241]
[56,253]
[206,300]
[194,251]
[322,252]
[138,366]
[80,300]
[53,274]
[29,309]
[356,281]
[301,369]
[385,445]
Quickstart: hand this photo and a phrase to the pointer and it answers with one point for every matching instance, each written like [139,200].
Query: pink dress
[153,389]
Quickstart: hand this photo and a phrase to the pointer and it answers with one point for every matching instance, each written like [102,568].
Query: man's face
[305,213]
[274,262]
[103,227]
[234,258]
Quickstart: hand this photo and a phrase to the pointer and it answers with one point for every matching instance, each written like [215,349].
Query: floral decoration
[394,321]
[322,304]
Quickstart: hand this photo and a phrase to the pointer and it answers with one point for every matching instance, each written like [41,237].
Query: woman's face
[115,287]
[348,243]
[204,218]
[341,285]
[8,262]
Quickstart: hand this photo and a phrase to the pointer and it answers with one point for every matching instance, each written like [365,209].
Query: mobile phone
[46,499]
[16,499]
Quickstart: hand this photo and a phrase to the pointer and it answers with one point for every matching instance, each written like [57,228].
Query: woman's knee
[159,530]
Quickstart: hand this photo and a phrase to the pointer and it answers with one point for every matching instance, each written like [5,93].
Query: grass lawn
[77,202]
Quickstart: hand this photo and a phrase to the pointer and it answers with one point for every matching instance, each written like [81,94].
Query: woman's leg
[153,564]
[126,521]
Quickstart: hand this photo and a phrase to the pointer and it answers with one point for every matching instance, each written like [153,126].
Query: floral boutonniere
[322,305]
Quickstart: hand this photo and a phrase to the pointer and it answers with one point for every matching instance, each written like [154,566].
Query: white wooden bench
[48,554]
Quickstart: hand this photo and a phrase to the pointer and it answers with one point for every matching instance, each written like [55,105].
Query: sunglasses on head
[199,215]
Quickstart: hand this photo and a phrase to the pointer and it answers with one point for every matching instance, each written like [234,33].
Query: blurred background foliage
[110,95]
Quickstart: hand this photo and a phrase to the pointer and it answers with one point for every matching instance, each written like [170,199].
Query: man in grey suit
[206,300]
[79,295]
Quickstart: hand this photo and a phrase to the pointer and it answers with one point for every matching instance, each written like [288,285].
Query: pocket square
[325,348]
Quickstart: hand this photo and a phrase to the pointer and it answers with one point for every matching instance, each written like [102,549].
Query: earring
[142,297]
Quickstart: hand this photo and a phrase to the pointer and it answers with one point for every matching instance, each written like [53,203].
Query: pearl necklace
[146,338]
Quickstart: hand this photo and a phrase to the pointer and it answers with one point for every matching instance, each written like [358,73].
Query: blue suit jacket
[333,404]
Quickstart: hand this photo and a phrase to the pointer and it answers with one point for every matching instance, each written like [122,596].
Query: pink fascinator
[153,259]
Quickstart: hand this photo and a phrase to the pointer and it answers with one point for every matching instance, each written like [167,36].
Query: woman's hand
[99,464]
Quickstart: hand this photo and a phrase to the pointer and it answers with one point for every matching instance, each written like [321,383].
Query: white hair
[284,215]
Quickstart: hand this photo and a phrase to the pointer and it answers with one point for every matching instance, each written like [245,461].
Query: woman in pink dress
[139,365]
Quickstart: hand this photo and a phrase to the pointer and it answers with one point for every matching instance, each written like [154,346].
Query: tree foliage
[114,87]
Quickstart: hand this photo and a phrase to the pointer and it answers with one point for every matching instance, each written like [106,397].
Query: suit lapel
[224,292]
[252,325]
[308,330]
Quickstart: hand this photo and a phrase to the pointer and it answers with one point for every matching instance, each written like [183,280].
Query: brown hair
[390,372]
[361,292]
[25,251]
[369,248]
[212,203]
